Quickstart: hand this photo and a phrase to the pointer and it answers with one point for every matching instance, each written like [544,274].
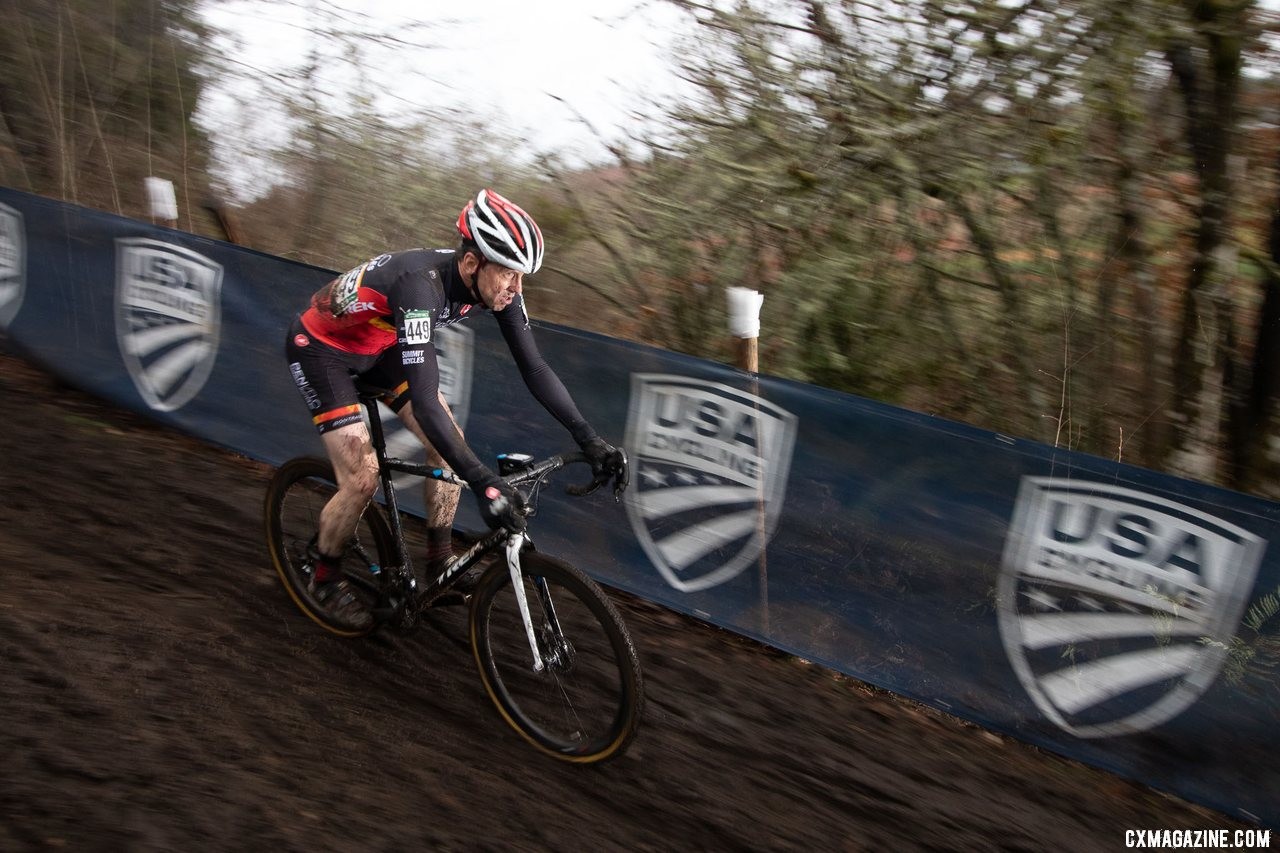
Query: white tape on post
[164,203]
[744,312]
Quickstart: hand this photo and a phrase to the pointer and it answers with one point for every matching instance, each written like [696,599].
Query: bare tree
[94,97]
[970,208]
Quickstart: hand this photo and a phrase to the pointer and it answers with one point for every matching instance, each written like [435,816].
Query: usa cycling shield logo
[168,319]
[1116,607]
[13,279]
[709,475]
[455,352]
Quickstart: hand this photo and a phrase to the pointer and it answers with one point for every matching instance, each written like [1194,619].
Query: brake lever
[620,478]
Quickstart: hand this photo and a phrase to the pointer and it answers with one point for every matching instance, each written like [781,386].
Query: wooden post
[744,325]
[227,221]
[748,354]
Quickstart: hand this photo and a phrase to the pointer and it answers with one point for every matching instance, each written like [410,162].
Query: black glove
[500,504]
[606,460]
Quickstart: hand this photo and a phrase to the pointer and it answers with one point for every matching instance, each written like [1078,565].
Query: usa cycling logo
[168,319]
[1116,607]
[455,352]
[12,264]
[709,476]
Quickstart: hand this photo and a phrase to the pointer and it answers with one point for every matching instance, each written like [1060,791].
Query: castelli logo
[301,340]
[462,312]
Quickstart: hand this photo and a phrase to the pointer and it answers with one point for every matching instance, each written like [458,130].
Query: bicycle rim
[585,705]
[296,494]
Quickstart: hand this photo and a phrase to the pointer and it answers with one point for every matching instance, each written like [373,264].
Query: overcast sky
[504,59]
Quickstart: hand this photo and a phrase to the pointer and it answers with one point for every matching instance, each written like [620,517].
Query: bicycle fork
[556,644]
[514,543]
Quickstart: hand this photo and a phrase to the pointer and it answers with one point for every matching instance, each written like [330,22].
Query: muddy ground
[158,691]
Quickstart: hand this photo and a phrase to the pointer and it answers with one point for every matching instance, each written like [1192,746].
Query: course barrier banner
[1104,611]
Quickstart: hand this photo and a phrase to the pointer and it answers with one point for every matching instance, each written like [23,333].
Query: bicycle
[552,651]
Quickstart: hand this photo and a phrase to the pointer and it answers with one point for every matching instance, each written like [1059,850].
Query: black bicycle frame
[388,465]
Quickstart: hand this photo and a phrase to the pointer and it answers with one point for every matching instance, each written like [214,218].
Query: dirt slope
[159,692]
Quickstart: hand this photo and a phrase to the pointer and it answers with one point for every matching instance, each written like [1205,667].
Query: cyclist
[377,322]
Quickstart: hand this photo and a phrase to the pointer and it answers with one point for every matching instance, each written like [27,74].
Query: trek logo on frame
[708,478]
[168,319]
[1117,607]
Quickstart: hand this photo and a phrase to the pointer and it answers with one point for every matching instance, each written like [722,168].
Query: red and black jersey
[391,306]
[355,311]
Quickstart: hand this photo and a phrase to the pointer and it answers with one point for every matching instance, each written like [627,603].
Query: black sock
[439,543]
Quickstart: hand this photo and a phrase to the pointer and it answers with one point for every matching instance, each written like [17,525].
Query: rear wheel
[586,703]
[297,492]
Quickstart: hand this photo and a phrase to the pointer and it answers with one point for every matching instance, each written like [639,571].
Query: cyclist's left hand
[606,461]
[501,506]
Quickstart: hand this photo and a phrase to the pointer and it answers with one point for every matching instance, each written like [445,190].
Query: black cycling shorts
[327,378]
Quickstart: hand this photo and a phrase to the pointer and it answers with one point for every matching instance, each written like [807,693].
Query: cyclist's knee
[353,460]
[365,477]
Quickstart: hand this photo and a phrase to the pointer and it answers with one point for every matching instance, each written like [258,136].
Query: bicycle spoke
[584,702]
[571,695]
[296,497]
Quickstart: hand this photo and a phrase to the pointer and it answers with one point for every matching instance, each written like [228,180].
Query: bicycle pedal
[388,610]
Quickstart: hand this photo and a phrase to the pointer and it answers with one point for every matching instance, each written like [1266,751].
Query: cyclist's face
[498,285]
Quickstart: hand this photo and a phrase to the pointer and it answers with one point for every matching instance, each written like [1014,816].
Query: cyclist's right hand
[607,463]
[500,504]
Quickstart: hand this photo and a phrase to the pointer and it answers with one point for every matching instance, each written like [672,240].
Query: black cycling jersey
[384,313]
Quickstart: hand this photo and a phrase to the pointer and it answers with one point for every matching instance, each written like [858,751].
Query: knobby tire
[584,711]
[296,493]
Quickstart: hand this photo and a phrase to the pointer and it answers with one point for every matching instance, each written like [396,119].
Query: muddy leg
[356,467]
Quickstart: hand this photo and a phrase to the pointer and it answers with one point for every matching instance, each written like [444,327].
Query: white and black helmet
[504,233]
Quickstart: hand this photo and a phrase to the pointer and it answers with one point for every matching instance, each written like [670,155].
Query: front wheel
[298,490]
[585,704]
